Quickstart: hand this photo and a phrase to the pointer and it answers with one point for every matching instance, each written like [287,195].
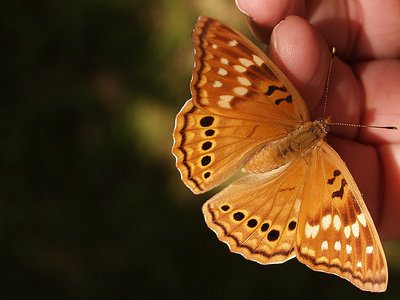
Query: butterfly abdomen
[280,152]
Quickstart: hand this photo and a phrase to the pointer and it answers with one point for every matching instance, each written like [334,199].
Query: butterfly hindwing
[336,233]
[257,215]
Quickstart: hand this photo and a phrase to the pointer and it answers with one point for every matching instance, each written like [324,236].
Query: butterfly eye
[323,124]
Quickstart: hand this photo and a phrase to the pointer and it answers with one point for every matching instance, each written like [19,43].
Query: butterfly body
[295,144]
[299,199]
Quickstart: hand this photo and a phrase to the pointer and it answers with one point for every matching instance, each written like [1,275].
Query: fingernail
[239,6]
[273,38]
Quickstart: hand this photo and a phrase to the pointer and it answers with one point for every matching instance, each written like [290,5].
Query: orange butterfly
[299,199]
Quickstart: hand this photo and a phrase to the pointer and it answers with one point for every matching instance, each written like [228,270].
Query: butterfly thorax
[280,152]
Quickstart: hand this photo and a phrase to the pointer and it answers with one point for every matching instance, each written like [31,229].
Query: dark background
[91,203]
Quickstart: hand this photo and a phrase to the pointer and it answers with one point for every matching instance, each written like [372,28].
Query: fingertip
[267,13]
[263,15]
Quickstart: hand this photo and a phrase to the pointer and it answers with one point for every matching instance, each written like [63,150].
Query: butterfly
[299,199]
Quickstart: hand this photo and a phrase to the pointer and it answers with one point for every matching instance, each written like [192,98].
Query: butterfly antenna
[328,79]
[363,126]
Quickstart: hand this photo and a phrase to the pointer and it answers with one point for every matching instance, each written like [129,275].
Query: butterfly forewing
[232,77]
[239,104]
[336,233]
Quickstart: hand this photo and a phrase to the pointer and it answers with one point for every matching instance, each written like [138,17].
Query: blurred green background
[92,205]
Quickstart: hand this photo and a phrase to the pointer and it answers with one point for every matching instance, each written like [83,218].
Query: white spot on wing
[347,231]
[244,81]
[308,251]
[348,249]
[222,72]
[324,245]
[362,220]
[311,231]
[214,46]
[224,101]
[359,264]
[369,249]
[240,91]
[336,222]
[239,68]
[257,60]
[224,60]
[355,228]
[337,246]
[233,43]
[245,62]
[326,221]
[217,84]
[308,230]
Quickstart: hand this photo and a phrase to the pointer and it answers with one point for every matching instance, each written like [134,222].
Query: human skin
[364,86]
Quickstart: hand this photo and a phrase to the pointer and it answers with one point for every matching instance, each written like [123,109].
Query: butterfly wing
[208,148]
[233,77]
[240,102]
[257,215]
[335,231]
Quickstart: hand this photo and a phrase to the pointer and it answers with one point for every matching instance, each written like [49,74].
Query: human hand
[364,87]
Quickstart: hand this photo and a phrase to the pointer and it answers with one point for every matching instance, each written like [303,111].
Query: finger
[358,30]
[390,156]
[376,26]
[344,100]
[263,15]
[380,86]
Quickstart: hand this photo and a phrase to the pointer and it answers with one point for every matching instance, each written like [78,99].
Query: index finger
[359,30]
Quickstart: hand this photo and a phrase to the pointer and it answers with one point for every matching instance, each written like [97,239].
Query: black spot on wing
[238,216]
[340,192]
[292,225]
[264,227]
[273,88]
[288,99]
[207,121]
[273,235]
[335,174]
